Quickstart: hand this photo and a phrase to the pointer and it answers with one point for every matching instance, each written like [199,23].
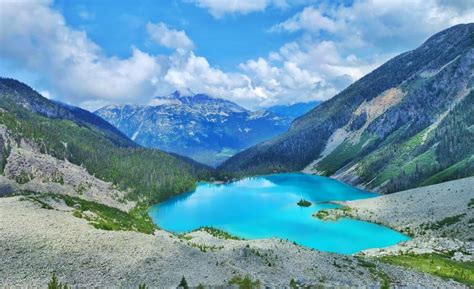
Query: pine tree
[55,284]
[183,284]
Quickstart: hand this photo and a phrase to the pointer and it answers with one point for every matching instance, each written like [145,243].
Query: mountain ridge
[71,150]
[294,110]
[207,129]
[423,84]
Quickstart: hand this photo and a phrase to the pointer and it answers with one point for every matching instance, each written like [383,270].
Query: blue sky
[225,41]
[254,52]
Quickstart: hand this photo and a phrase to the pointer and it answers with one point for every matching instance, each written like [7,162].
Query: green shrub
[244,283]
[436,264]
[55,284]
[293,284]
[219,233]
[322,215]
[106,218]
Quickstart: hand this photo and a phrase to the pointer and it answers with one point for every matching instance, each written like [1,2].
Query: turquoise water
[264,207]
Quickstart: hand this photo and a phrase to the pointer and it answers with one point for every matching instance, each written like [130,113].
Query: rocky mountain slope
[51,147]
[204,128]
[407,123]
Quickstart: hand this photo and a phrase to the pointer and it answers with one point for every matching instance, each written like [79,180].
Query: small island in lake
[304,203]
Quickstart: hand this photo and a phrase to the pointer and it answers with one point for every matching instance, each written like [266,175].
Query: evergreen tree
[55,284]
[183,284]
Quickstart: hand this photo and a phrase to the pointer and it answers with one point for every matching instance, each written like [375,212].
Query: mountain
[293,111]
[408,123]
[204,128]
[50,144]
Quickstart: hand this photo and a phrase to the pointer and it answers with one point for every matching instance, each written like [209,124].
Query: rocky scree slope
[204,128]
[44,141]
[406,124]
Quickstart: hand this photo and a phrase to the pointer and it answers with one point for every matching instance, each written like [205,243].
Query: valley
[373,188]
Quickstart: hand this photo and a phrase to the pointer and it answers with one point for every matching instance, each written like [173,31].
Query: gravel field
[423,211]
[437,216]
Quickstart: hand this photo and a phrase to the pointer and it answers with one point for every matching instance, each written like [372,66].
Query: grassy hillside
[150,175]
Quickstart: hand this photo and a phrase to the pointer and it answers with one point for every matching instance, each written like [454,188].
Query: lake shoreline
[271,206]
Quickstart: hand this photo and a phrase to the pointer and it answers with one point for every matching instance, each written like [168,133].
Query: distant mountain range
[204,128]
[293,111]
[408,123]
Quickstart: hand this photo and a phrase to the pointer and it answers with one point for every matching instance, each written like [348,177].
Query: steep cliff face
[407,123]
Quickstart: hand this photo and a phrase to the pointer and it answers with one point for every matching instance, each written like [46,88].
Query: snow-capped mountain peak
[205,128]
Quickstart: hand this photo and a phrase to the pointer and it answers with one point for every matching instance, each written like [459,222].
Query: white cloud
[191,72]
[168,37]
[38,39]
[304,71]
[46,94]
[78,72]
[342,43]
[398,23]
[339,44]
[85,14]
[393,23]
[309,19]
[218,8]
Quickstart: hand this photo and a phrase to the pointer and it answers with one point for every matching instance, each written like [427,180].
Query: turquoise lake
[266,206]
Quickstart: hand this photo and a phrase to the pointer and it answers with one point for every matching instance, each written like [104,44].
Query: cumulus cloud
[218,8]
[39,39]
[304,71]
[310,19]
[80,73]
[168,37]
[191,72]
[337,45]
[342,43]
[376,22]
